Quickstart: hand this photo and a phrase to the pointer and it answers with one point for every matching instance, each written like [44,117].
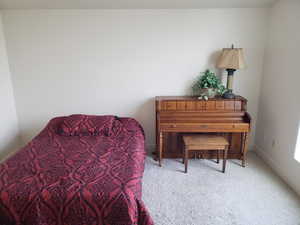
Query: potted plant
[208,85]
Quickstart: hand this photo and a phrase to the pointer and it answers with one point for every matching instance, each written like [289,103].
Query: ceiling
[132,4]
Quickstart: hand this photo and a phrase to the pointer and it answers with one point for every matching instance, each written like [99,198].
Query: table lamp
[231,59]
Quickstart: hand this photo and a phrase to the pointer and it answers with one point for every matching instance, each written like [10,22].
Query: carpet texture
[242,196]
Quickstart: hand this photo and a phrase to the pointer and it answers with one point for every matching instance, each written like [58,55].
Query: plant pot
[209,92]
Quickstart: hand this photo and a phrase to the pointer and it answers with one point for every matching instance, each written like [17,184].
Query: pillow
[86,125]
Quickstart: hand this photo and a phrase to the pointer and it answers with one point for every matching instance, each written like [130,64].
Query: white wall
[279,108]
[116,61]
[9,139]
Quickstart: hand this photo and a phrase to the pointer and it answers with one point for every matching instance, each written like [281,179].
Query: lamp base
[228,94]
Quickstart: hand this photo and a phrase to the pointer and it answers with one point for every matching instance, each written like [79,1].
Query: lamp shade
[231,58]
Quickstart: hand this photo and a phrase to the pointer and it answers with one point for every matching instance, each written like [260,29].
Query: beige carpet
[243,196]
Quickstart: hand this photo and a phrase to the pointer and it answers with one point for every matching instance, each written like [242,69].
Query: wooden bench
[202,142]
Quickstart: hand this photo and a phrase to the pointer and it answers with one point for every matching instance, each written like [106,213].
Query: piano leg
[155,153]
[186,159]
[242,148]
[160,148]
[245,137]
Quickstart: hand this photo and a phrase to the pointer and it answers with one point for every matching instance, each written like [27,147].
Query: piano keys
[176,115]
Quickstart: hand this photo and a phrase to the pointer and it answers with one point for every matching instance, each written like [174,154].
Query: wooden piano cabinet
[177,115]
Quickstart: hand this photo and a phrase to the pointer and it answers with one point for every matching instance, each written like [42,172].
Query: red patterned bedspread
[76,180]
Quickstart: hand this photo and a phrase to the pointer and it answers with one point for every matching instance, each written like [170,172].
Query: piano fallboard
[205,127]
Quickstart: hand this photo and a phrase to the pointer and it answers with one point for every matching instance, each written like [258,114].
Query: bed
[79,170]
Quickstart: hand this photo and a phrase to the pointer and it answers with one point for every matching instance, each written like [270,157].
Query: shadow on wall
[29,132]
[145,114]
[210,64]
[10,148]
[213,59]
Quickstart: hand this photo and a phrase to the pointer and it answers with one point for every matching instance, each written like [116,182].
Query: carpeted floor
[242,196]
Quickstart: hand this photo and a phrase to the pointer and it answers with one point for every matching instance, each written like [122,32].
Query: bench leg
[225,159]
[218,156]
[186,159]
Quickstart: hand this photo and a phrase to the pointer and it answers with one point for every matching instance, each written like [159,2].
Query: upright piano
[176,115]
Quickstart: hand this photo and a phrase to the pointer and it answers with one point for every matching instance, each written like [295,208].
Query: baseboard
[275,167]
[266,158]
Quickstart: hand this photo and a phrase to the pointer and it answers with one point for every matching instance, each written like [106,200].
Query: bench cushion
[205,142]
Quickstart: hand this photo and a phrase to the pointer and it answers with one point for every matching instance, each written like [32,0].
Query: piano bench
[203,142]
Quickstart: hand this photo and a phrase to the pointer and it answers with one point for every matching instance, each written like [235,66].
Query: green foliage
[208,79]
